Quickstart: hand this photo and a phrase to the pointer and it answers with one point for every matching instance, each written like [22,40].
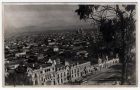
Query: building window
[75,70]
[42,79]
[41,72]
[58,81]
[35,75]
[78,74]
[36,82]
[61,74]
[61,80]
[48,70]
[45,70]
[58,76]
[78,70]
[72,71]
[54,82]
[64,74]
[48,76]
[53,69]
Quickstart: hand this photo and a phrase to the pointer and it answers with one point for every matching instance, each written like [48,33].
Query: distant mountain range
[12,31]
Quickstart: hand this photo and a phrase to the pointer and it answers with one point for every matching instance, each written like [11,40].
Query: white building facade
[54,75]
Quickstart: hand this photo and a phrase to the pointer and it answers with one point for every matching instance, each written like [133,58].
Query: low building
[107,63]
[58,74]
[20,54]
[79,70]
[42,75]
[55,49]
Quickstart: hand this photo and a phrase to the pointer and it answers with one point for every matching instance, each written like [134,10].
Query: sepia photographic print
[84,44]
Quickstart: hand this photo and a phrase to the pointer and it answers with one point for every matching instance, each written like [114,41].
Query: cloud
[57,16]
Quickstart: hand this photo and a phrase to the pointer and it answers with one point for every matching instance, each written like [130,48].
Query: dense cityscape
[56,50]
[70,45]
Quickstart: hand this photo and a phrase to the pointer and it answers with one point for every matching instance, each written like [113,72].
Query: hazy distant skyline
[17,17]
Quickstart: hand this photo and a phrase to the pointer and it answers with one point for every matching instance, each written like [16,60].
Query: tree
[117,24]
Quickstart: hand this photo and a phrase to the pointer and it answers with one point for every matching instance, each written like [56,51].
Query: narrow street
[106,76]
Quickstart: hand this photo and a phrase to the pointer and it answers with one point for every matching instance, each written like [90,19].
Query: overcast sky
[17,17]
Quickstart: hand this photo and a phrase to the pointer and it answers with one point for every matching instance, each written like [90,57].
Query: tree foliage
[117,24]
